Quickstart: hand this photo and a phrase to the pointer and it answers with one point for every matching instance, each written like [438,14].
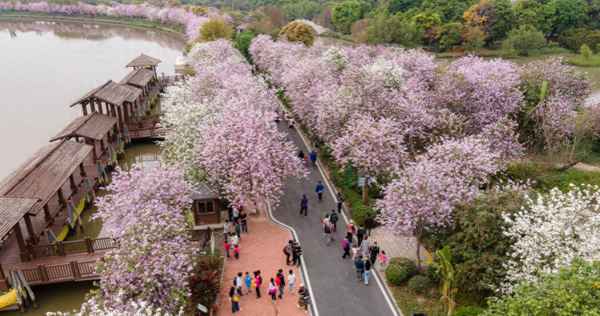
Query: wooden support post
[2,275]
[75,270]
[20,239]
[82,170]
[89,245]
[113,112]
[84,109]
[43,273]
[72,182]
[92,106]
[47,215]
[120,118]
[30,230]
[61,197]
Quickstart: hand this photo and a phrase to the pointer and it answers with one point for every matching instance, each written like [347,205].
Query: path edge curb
[313,310]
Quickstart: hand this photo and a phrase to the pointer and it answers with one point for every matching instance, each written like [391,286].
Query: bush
[585,51]
[468,311]
[298,32]
[215,29]
[433,273]
[574,38]
[399,270]
[242,42]
[524,40]
[419,284]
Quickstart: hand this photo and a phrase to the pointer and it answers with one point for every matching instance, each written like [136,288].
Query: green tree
[585,51]
[428,24]
[303,9]
[575,37]
[242,42]
[572,291]
[448,10]
[473,38]
[215,29]
[297,31]
[567,13]
[450,36]
[402,5]
[345,13]
[393,29]
[448,276]
[524,40]
[503,19]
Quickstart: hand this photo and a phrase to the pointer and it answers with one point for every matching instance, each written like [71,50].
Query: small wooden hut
[146,80]
[207,206]
[112,99]
[145,61]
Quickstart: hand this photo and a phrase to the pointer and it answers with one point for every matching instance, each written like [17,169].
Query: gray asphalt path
[336,290]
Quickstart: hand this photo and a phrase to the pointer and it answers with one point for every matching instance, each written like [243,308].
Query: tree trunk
[365,192]
[418,254]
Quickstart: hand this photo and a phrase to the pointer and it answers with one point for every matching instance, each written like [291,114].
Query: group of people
[293,251]
[312,156]
[233,228]
[364,254]
[245,284]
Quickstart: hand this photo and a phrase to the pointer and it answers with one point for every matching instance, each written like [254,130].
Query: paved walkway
[260,249]
[335,287]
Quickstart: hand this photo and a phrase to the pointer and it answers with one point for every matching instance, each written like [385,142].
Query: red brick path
[260,249]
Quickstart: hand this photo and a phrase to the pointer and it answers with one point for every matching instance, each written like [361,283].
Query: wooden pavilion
[146,80]
[97,130]
[144,61]
[52,177]
[112,99]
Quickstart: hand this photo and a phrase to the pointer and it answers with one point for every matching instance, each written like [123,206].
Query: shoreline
[116,21]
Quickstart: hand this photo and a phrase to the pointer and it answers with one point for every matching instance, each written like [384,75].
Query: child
[236,251]
[227,246]
[235,300]
[383,259]
[272,290]
[291,280]
[248,281]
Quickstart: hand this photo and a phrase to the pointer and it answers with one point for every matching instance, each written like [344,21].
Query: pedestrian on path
[236,214]
[303,297]
[235,240]
[272,290]
[227,246]
[296,253]
[244,221]
[367,271]
[333,219]
[345,248]
[226,228]
[359,264]
[320,188]
[364,247]
[313,157]
[360,233]
[257,282]
[374,252]
[304,205]
[383,259]
[235,300]
[237,282]
[281,284]
[291,280]
[287,251]
[236,251]
[355,251]
[351,229]
[327,230]
[340,202]
[248,282]
[238,228]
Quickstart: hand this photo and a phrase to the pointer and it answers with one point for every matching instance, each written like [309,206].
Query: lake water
[45,66]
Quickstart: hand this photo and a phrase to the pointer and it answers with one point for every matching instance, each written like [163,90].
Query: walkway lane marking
[383,287]
[313,305]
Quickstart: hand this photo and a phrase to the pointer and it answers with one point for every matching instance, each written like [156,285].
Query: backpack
[333,217]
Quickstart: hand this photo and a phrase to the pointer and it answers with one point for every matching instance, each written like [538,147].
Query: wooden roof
[11,212]
[112,93]
[44,173]
[144,61]
[138,77]
[203,192]
[94,126]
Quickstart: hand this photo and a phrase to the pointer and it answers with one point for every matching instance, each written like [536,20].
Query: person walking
[235,240]
[359,264]
[281,283]
[291,280]
[272,290]
[360,233]
[301,155]
[303,297]
[235,300]
[257,282]
[244,221]
[374,252]
[333,219]
[236,251]
[236,214]
[313,157]
[340,202]
[296,253]
[327,230]
[364,247]
[367,271]
[287,251]
[345,248]
[304,205]
[319,189]
[383,258]
[238,228]
[227,246]
[237,281]
[226,228]
[248,282]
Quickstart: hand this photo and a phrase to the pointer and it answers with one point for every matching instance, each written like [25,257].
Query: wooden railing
[63,248]
[53,273]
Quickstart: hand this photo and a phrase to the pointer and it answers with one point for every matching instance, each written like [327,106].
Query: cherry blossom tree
[427,190]
[551,231]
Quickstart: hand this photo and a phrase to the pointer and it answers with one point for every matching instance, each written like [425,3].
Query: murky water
[43,68]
